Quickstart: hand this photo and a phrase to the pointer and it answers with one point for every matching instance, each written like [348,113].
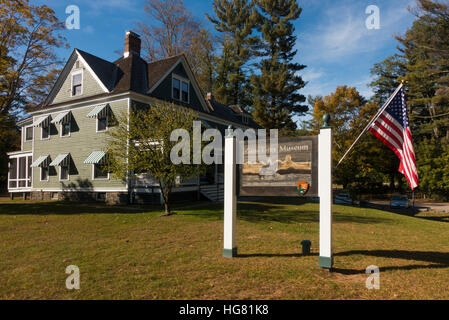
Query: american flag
[392,128]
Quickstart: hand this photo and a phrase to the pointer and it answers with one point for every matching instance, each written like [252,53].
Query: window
[100,171]
[44,173]
[29,134]
[245,119]
[181,90]
[20,172]
[64,173]
[77,84]
[30,172]
[102,124]
[13,173]
[65,129]
[185,92]
[45,132]
[176,88]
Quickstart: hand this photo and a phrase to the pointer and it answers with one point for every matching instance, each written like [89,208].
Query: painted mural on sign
[297,162]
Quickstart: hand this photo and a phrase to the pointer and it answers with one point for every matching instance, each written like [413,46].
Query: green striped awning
[96,157]
[61,160]
[42,161]
[42,122]
[63,117]
[101,111]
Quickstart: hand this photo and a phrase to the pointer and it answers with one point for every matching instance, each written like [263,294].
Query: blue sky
[333,41]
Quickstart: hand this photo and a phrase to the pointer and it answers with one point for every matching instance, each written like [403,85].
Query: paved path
[420,205]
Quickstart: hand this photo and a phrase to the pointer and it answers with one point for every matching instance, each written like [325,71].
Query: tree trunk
[166,196]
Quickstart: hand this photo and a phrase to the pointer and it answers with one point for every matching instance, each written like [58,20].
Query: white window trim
[71,82]
[17,172]
[25,134]
[181,80]
[70,131]
[107,126]
[48,175]
[68,173]
[98,179]
[42,133]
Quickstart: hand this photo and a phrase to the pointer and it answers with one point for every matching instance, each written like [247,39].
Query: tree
[425,46]
[173,30]
[142,144]
[202,58]
[423,63]
[276,88]
[29,34]
[387,77]
[235,21]
[9,140]
[370,162]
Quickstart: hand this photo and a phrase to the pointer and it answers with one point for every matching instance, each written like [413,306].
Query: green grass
[136,254]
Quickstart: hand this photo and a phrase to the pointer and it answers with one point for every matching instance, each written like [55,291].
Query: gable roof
[157,69]
[104,70]
[132,73]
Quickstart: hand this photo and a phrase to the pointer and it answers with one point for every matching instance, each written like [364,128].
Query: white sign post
[230,197]
[325,259]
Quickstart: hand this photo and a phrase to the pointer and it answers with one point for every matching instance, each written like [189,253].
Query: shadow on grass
[68,208]
[409,212]
[274,255]
[435,260]
[275,212]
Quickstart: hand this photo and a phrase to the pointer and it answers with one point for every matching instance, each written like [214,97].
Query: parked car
[343,198]
[399,201]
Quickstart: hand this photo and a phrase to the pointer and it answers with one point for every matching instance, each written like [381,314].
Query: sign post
[325,259]
[230,197]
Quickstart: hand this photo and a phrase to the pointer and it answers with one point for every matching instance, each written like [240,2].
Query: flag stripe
[388,130]
[392,128]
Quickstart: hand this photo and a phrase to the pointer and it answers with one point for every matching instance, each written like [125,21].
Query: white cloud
[311,74]
[342,31]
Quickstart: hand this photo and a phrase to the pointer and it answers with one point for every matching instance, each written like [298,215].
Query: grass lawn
[136,254]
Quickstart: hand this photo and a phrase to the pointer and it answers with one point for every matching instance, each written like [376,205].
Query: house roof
[229,113]
[157,69]
[104,70]
[132,73]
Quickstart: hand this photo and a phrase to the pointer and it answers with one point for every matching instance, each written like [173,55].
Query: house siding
[90,85]
[26,145]
[82,141]
[164,90]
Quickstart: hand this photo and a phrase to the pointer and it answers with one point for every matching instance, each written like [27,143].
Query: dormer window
[245,119]
[77,84]
[181,89]
[185,92]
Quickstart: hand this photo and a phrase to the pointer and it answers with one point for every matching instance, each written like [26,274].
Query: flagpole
[372,121]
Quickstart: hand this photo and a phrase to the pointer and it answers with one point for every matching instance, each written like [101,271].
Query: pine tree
[276,96]
[235,21]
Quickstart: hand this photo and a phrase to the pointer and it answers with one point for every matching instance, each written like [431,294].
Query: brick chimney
[132,43]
